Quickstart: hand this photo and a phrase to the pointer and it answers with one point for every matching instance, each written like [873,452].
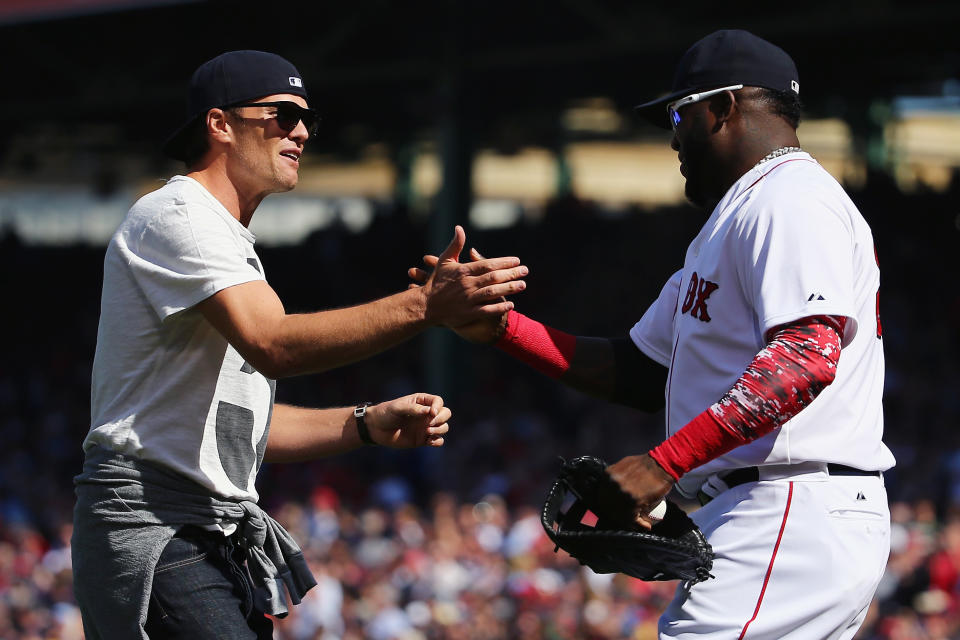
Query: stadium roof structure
[501,71]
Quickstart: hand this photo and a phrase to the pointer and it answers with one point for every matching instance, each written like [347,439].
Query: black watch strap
[360,414]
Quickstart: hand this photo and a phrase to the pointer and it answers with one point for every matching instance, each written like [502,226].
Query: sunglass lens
[310,120]
[674,118]
[288,116]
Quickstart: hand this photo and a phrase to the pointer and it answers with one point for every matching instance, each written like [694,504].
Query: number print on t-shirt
[234,432]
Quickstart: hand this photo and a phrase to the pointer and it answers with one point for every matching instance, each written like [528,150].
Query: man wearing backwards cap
[168,539]
[768,346]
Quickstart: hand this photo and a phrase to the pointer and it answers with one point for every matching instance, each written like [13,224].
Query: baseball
[656,514]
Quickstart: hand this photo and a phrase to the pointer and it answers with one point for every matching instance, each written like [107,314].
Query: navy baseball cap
[727,57]
[231,78]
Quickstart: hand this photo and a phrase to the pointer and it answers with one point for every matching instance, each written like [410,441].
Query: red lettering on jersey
[695,301]
[691,294]
[700,308]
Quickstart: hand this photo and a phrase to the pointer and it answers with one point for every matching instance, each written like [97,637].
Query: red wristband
[702,439]
[544,348]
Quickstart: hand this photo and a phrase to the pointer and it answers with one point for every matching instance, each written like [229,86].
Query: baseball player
[168,538]
[765,350]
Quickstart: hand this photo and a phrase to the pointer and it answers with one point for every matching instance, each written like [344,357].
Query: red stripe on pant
[766,578]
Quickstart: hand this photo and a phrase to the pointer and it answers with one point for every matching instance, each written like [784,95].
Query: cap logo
[793,85]
[295,82]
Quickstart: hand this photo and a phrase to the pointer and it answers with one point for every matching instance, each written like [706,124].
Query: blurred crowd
[447,544]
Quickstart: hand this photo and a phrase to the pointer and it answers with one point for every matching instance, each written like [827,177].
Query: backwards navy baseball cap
[723,58]
[231,78]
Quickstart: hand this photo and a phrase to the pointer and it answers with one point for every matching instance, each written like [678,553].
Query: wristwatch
[360,414]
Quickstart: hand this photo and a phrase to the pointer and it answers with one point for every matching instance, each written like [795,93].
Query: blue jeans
[201,589]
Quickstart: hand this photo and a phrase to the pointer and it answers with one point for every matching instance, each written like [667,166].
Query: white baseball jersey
[167,387]
[785,243]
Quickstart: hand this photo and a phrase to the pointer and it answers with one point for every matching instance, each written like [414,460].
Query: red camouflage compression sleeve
[799,361]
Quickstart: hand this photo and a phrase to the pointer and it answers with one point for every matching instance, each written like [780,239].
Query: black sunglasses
[289,114]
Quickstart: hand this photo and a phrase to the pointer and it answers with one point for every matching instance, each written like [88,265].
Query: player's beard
[697,199]
[696,162]
[702,166]
[694,196]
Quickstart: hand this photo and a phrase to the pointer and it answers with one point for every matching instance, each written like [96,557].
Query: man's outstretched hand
[459,293]
[488,328]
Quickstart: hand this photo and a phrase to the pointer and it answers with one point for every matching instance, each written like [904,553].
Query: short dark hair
[785,104]
[196,143]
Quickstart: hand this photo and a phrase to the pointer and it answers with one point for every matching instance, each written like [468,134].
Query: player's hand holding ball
[658,512]
[647,483]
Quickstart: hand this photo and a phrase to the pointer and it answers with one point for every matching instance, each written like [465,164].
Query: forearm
[613,370]
[252,319]
[413,420]
[585,364]
[298,434]
[592,369]
[784,378]
[314,342]
[616,370]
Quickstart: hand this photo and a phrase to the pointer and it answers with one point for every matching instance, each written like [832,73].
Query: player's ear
[218,128]
[723,106]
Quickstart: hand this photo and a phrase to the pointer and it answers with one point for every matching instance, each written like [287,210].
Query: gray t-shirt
[167,387]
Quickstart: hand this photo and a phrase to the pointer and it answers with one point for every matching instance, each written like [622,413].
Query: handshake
[469,297]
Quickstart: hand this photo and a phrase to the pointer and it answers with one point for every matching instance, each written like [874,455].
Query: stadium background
[514,119]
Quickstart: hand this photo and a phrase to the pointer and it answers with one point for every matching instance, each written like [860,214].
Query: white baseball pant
[797,558]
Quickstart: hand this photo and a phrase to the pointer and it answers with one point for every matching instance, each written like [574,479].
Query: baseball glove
[673,549]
